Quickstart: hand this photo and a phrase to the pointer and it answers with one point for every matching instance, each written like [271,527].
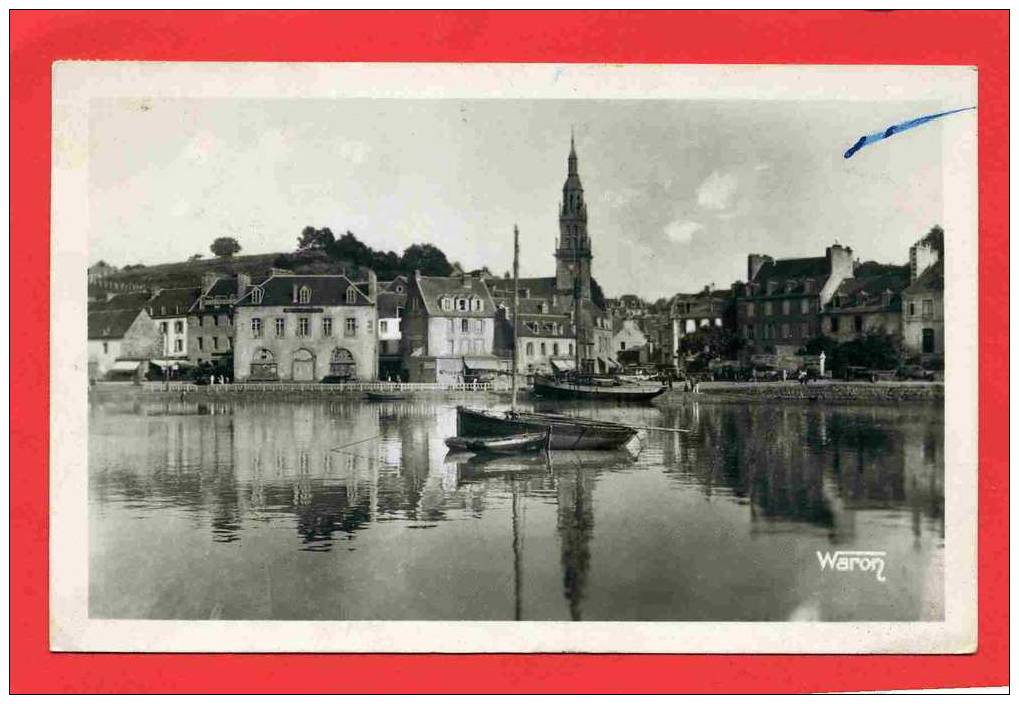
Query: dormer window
[478,304]
[399,289]
[790,285]
[256,296]
[446,303]
[304,295]
[461,304]
[772,285]
[808,285]
[351,295]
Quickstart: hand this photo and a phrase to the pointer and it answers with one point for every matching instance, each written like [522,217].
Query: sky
[678,192]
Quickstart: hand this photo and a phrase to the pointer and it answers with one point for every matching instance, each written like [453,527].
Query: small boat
[384,396]
[595,387]
[511,444]
[564,432]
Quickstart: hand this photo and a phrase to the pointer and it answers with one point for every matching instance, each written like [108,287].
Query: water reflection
[343,509]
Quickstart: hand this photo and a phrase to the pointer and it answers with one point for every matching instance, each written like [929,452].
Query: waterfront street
[342,509]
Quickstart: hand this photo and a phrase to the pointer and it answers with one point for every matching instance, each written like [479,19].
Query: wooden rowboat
[566,432]
[384,396]
[590,387]
[510,444]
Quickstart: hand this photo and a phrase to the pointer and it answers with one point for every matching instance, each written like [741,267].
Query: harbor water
[338,508]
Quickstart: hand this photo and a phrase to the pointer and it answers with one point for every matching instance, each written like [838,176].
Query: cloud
[682,232]
[717,191]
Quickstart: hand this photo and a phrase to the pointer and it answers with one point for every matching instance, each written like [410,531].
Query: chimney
[208,280]
[840,262]
[373,287]
[293,292]
[756,261]
[243,283]
[922,255]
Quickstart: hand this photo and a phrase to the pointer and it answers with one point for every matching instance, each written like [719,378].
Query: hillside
[190,273]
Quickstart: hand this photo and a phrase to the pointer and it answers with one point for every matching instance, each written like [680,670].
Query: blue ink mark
[897,129]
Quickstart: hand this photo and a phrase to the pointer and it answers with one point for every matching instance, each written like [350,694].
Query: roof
[325,290]
[795,271]
[547,326]
[536,287]
[434,288]
[110,324]
[223,287]
[123,301]
[930,280]
[173,301]
[868,293]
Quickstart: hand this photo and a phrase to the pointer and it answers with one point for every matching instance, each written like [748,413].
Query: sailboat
[564,432]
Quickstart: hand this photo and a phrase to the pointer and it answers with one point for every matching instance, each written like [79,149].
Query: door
[928,341]
[304,366]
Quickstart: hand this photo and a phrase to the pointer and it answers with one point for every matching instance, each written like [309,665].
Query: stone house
[303,328]
[211,321]
[169,307]
[121,341]
[869,302]
[923,313]
[778,308]
[392,301]
[448,330]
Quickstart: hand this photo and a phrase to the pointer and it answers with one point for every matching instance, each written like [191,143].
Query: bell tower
[573,251]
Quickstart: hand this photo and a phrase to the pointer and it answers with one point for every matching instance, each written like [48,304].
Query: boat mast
[576,307]
[516,304]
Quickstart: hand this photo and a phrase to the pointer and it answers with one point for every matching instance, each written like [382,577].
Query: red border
[978,38]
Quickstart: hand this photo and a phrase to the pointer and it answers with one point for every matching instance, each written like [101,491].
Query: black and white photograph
[514,358]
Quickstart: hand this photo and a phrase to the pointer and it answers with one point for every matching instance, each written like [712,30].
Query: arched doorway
[304,366]
[263,365]
[341,364]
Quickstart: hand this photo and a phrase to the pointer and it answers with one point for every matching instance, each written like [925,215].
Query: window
[785,307]
[808,285]
[162,309]
[162,327]
[281,326]
[450,347]
[327,327]
[383,327]
[529,349]
[201,345]
[256,296]
[263,366]
[858,323]
[303,327]
[571,349]
[399,289]
[927,344]
[465,325]
[201,320]
[351,295]
[370,324]
[215,320]
[543,350]
[478,346]
[837,301]
[555,349]
[834,324]
[350,328]
[178,345]
[341,363]
[622,346]
[767,308]
[928,309]
[479,304]
[178,327]
[461,303]
[304,296]
[912,309]
[786,333]
[446,303]
[215,342]
[106,348]
[804,306]
[229,343]
[256,327]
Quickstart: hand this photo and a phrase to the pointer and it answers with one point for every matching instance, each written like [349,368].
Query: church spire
[572,161]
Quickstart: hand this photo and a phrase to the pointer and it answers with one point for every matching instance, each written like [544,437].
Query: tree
[195,258]
[426,258]
[225,247]
[312,238]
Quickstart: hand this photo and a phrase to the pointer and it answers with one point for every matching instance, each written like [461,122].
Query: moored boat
[564,432]
[385,396]
[511,444]
[593,387]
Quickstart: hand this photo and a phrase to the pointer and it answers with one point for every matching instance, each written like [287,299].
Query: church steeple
[573,252]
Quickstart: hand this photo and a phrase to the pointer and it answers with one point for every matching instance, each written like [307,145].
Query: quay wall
[836,392]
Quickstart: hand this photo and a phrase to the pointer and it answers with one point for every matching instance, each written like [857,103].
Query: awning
[125,365]
[482,363]
[164,363]
[562,364]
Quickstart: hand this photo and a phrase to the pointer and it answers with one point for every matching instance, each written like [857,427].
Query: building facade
[871,302]
[169,307]
[778,308]
[305,328]
[448,330]
[923,314]
[392,301]
[211,320]
[121,342]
